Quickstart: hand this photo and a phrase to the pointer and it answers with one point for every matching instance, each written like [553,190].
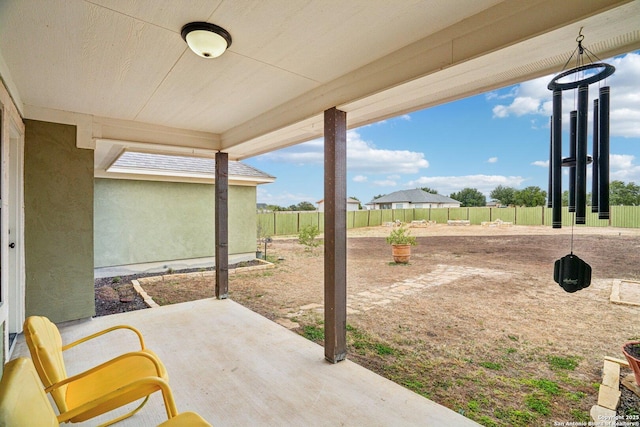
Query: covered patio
[82,82]
[237,368]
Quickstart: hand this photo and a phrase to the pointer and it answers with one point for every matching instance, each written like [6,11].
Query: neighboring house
[416,198]
[352,205]
[155,211]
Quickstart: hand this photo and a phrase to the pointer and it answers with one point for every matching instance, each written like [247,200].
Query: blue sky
[497,138]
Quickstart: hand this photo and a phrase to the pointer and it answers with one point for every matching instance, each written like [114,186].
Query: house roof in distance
[180,168]
[349,200]
[413,196]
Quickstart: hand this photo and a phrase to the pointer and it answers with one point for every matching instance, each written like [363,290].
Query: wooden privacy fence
[290,223]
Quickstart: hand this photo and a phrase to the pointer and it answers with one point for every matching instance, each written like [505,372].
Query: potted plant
[631,351]
[401,242]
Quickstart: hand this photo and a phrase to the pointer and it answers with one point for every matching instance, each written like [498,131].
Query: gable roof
[151,165]
[413,196]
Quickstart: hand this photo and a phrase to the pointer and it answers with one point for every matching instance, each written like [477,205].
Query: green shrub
[307,236]
[401,236]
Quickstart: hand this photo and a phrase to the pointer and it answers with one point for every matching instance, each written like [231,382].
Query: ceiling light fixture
[205,39]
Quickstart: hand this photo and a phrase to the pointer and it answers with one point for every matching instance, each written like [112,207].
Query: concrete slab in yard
[625,292]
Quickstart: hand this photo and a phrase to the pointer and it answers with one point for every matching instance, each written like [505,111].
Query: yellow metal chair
[70,393]
[23,402]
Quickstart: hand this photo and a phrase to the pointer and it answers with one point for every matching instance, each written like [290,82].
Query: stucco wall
[58,193]
[146,221]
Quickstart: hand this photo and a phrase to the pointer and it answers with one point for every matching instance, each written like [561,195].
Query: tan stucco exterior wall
[58,190]
[150,221]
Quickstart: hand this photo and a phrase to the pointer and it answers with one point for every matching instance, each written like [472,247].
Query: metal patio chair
[23,401]
[70,393]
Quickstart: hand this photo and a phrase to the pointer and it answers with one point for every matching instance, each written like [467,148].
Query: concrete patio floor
[237,368]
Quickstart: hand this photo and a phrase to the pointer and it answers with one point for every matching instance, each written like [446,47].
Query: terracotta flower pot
[401,253]
[631,351]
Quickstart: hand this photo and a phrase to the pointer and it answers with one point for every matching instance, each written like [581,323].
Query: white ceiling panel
[87,58]
[323,40]
[207,95]
[168,14]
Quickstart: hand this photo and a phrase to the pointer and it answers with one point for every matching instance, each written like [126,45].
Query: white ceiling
[120,70]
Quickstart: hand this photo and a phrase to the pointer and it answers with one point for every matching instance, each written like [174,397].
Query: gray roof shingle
[413,196]
[166,164]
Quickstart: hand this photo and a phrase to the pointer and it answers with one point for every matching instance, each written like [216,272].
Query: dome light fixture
[205,39]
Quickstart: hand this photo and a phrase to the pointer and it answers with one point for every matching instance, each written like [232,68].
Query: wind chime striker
[570,272]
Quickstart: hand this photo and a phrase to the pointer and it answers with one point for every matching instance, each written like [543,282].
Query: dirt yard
[474,321]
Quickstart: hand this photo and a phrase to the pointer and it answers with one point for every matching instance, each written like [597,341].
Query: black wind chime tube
[550,186]
[573,120]
[603,154]
[556,164]
[581,154]
[595,165]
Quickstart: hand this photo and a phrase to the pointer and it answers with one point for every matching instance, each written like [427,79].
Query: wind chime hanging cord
[579,158]
[570,272]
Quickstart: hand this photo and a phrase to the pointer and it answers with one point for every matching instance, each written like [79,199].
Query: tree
[469,197]
[429,190]
[378,196]
[565,198]
[505,195]
[305,206]
[621,194]
[531,196]
[307,237]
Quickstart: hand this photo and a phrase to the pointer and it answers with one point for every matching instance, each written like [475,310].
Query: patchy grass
[494,394]
[313,333]
[538,404]
[569,363]
[547,386]
[476,345]
[491,365]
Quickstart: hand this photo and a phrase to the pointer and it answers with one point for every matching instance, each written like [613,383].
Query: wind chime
[570,272]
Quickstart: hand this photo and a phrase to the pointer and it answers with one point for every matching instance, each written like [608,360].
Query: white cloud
[492,160]
[519,107]
[621,161]
[311,152]
[362,156]
[623,168]
[533,97]
[451,184]
[283,198]
[497,95]
[359,178]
